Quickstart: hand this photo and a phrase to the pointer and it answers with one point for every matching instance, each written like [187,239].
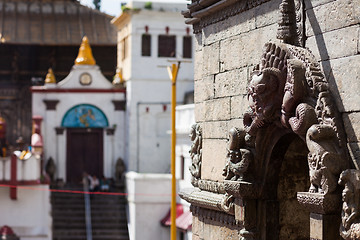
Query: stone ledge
[204,199]
[241,189]
[320,203]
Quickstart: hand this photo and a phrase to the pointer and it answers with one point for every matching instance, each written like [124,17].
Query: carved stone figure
[120,171]
[238,158]
[325,159]
[350,215]
[290,91]
[195,152]
[50,169]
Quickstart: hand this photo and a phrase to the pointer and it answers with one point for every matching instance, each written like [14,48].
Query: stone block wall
[333,35]
[226,53]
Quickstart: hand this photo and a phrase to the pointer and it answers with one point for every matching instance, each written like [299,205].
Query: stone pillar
[324,214]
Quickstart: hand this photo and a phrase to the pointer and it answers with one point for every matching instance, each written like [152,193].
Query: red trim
[76,90]
[23,183]
[13,192]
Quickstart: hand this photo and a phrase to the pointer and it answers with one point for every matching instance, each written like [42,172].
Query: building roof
[53,22]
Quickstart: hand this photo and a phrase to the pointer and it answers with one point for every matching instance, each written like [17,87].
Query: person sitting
[104,184]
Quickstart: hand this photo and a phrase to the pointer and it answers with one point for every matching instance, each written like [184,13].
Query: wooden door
[84,153]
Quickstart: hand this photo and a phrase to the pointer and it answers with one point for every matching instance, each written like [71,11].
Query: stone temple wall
[229,44]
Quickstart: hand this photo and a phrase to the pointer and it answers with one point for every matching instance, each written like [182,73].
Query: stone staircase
[108,216]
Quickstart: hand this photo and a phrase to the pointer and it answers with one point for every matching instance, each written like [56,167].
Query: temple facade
[83,120]
[276,99]
[38,35]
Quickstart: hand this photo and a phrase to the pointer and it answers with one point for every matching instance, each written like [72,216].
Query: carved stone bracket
[211,186]
[241,189]
[319,203]
[208,200]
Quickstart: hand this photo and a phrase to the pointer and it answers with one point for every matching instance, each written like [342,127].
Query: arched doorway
[294,222]
[84,141]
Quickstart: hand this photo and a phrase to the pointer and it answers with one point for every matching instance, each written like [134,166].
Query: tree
[97,4]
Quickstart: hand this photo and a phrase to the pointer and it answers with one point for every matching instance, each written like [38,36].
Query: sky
[113,7]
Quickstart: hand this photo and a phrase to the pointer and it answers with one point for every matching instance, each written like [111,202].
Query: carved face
[261,91]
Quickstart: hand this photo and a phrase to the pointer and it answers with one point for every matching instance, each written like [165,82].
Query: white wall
[148,83]
[29,216]
[149,200]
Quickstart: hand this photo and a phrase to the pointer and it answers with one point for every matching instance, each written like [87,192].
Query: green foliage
[148,5]
[97,4]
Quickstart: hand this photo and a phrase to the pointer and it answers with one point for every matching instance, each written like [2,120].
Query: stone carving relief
[195,153]
[238,157]
[289,91]
[350,215]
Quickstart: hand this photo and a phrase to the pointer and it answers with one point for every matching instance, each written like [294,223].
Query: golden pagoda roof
[85,56]
[50,77]
[53,22]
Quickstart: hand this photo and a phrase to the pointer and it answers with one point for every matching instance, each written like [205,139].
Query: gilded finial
[50,77]
[85,56]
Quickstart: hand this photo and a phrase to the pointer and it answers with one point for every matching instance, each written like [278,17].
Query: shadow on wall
[328,71]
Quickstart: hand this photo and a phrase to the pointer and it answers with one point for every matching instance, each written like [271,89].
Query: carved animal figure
[350,215]
[196,151]
[325,159]
[238,158]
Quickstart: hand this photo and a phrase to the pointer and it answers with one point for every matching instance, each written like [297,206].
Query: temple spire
[85,56]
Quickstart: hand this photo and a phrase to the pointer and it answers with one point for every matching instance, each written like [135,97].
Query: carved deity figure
[350,215]
[196,151]
[238,157]
[290,91]
[264,99]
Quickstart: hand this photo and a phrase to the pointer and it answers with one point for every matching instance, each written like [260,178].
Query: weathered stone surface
[197,227]
[354,150]
[233,26]
[314,3]
[352,126]
[235,123]
[344,82]
[217,109]
[215,231]
[198,65]
[214,154]
[215,129]
[211,54]
[331,16]
[238,105]
[231,83]
[199,112]
[240,51]
[267,13]
[334,44]
[198,41]
[204,89]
